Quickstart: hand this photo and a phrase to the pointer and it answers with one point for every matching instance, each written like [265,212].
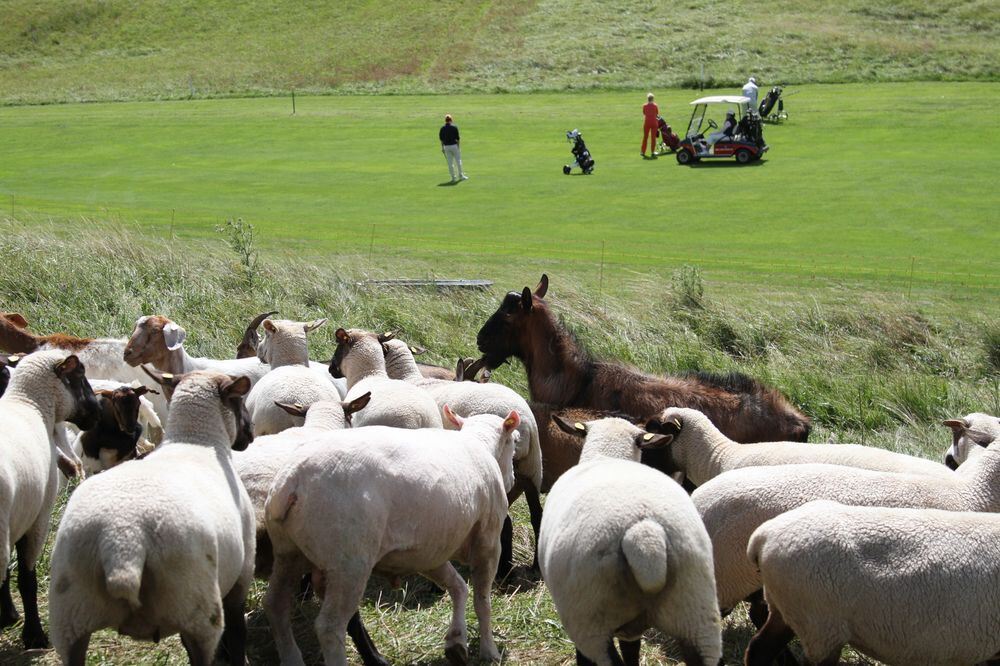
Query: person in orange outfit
[649,127]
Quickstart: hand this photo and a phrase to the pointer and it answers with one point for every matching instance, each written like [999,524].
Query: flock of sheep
[205,473]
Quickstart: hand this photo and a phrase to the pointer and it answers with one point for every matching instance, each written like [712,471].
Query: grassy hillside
[866,368]
[856,190]
[153,49]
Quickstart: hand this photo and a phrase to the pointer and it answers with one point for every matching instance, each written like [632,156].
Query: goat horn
[251,338]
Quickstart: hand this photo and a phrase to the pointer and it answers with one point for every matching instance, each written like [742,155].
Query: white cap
[753,80]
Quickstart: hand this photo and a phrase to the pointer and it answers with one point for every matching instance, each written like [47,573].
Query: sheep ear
[576,428]
[454,418]
[313,325]
[143,390]
[294,410]
[162,378]
[512,421]
[648,440]
[526,300]
[342,336]
[417,350]
[269,326]
[543,286]
[460,370]
[67,366]
[357,404]
[670,427]
[234,387]
[385,337]
[173,336]
[16,319]
[956,425]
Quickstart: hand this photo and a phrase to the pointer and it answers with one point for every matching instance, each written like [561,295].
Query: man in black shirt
[449,146]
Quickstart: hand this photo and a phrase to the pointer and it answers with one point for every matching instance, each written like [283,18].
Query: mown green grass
[890,187]
[75,50]
[867,367]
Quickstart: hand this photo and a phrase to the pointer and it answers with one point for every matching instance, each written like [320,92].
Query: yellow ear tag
[14,358]
[388,334]
[167,375]
[677,423]
[647,437]
[298,405]
[580,427]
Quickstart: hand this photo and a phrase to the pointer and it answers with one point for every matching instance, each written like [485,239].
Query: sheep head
[153,340]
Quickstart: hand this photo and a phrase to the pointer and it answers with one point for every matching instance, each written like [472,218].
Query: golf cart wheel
[684,157]
[743,156]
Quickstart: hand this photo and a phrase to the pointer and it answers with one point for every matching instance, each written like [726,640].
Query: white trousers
[454,157]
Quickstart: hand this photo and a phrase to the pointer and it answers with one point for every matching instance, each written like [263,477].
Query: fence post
[293,102]
[600,278]
[371,247]
[909,289]
[173,216]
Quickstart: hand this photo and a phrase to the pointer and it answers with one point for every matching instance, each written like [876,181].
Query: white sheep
[103,358]
[49,387]
[470,398]
[970,436]
[163,545]
[407,501]
[702,452]
[734,504]
[903,586]
[622,550]
[291,379]
[360,359]
[266,456]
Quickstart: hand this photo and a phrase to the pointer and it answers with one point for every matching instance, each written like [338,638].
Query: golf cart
[745,143]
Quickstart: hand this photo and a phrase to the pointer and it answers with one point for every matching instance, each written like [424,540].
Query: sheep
[261,461]
[904,586]
[702,452]
[622,550]
[118,434]
[291,380]
[163,545]
[407,501]
[561,372]
[49,387]
[248,345]
[360,359]
[467,399]
[975,429]
[735,503]
[103,358]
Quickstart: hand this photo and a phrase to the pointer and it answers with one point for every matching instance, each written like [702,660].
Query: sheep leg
[234,635]
[483,567]
[278,608]
[770,642]
[370,655]
[630,652]
[758,608]
[535,509]
[456,641]
[691,655]
[200,651]
[8,611]
[344,588]
[506,548]
[598,646]
[27,584]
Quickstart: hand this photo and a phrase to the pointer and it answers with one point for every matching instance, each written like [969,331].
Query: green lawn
[863,183]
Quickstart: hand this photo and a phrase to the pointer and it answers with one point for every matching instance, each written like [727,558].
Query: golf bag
[668,140]
[580,152]
[767,105]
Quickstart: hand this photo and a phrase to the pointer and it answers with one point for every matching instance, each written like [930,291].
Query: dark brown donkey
[562,373]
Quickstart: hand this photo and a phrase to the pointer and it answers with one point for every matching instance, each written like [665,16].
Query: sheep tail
[123,560]
[645,548]
[755,547]
[282,497]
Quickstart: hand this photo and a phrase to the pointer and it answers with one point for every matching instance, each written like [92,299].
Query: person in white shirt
[750,90]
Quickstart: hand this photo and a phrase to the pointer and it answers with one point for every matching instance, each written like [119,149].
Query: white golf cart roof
[722,99]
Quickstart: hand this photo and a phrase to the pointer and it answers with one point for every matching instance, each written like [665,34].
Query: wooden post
[293,102]
[371,247]
[909,290]
[173,215]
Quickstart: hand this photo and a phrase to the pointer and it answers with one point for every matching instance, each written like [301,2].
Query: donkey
[562,373]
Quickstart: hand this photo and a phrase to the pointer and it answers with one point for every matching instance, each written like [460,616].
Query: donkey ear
[543,286]
[526,300]
[576,428]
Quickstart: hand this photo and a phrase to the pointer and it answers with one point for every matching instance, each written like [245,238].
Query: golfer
[649,125]
[750,90]
[449,146]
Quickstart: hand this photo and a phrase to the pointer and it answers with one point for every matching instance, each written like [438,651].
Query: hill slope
[150,49]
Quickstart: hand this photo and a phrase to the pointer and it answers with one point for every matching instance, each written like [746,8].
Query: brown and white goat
[562,373]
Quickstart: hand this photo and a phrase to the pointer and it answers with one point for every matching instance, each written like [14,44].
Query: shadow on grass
[449,183]
[724,163]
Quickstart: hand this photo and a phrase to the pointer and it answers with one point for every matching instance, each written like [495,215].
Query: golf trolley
[580,152]
[745,142]
[772,107]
